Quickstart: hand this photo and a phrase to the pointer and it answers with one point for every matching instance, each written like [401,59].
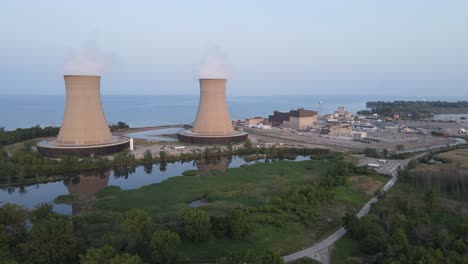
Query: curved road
[320,251]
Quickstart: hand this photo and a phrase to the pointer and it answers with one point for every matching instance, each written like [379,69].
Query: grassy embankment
[250,187]
[449,182]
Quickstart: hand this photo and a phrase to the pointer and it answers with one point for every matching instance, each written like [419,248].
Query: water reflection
[125,177]
[206,166]
[85,187]
[124,171]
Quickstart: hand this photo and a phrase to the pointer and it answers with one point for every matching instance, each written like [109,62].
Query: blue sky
[274,47]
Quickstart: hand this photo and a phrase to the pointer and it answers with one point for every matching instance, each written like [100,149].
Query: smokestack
[83,122]
[213,116]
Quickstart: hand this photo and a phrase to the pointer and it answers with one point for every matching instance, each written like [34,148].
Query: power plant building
[84,130]
[212,124]
[299,119]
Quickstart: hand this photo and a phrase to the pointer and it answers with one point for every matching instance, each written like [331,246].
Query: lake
[154,110]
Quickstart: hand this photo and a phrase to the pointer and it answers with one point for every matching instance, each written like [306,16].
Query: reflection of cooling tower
[207,165]
[212,123]
[83,122]
[86,188]
[84,130]
[213,116]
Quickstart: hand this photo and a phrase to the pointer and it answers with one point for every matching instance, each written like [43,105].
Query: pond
[163,134]
[85,185]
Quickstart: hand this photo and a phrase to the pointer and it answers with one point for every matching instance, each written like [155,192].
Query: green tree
[123,158]
[126,259]
[240,258]
[371,152]
[353,224]
[6,253]
[98,255]
[197,225]
[374,243]
[148,156]
[107,255]
[271,257]
[399,147]
[248,144]
[399,239]
[164,247]
[162,156]
[138,226]
[13,217]
[52,241]
[41,211]
[219,226]
[239,223]
[430,199]
[385,153]
[458,246]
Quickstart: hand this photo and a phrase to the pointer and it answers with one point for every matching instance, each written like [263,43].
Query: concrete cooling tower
[84,130]
[212,124]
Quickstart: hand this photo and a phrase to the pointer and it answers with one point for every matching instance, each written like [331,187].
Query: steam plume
[214,66]
[87,61]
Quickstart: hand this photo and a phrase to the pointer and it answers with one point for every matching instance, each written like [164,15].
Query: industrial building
[335,129]
[212,124]
[299,119]
[339,116]
[84,130]
[254,121]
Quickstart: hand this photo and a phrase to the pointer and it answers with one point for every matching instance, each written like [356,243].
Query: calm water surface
[153,110]
[86,185]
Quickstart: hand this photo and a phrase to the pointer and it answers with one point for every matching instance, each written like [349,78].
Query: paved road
[320,251]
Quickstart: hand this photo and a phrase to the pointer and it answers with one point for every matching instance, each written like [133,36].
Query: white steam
[87,61]
[214,67]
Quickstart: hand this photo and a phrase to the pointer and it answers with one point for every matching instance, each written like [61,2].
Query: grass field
[457,157]
[247,187]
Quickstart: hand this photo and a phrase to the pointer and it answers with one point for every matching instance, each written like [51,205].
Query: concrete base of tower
[50,148]
[187,136]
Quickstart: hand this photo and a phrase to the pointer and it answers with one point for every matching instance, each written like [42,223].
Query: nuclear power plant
[84,130]
[212,124]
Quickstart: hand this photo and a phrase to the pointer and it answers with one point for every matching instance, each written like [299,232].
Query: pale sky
[308,47]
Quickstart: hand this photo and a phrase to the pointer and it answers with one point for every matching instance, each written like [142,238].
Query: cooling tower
[213,116]
[83,122]
[84,130]
[212,124]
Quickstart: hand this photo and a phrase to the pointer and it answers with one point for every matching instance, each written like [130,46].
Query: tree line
[398,230]
[410,109]
[23,165]
[55,238]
